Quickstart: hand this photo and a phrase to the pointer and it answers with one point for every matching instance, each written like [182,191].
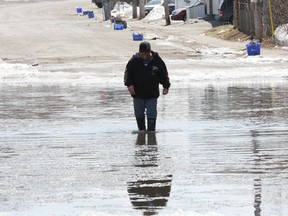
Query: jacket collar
[154,55]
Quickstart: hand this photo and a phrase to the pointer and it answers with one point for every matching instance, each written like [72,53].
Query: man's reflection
[150,193]
[146,155]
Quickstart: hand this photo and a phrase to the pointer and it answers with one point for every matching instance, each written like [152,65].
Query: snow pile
[157,13]
[151,37]
[253,69]
[222,52]
[281,35]
[172,38]
[123,10]
[27,75]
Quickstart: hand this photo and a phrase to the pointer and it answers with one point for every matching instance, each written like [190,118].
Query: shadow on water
[150,193]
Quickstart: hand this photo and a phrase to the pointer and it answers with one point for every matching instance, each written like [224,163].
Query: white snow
[26,75]
[281,35]
[172,38]
[157,13]
[123,10]
[215,65]
[151,36]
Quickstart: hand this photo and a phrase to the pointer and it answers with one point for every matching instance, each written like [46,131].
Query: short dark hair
[144,47]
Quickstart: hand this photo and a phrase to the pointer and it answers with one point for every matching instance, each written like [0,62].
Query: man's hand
[165,91]
[131,90]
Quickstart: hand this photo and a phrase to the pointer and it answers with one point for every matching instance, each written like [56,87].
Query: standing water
[66,146]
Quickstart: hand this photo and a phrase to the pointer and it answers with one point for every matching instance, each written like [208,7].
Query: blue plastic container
[90,15]
[86,12]
[79,10]
[253,49]
[118,26]
[137,37]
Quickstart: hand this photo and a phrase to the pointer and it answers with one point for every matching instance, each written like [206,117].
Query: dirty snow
[157,13]
[213,65]
[281,35]
[123,10]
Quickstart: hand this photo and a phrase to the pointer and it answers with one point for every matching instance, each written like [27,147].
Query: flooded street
[68,145]
[220,149]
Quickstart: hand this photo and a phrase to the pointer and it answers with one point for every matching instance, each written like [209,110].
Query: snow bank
[157,13]
[206,65]
[281,35]
[27,75]
[223,52]
[123,10]
[254,69]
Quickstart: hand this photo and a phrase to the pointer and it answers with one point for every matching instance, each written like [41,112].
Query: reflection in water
[257,181]
[149,194]
[257,197]
[211,101]
[7,152]
[146,156]
[229,136]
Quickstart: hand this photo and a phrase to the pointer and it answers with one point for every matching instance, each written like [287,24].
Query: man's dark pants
[150,106]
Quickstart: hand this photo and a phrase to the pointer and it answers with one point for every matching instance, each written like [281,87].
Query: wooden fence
[246,18]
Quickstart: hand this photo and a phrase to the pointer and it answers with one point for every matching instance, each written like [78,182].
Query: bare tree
[142,10]
[261,15]
[279,10]
[258,19]
[134,9]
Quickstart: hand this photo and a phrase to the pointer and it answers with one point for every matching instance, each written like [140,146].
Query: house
[211,6]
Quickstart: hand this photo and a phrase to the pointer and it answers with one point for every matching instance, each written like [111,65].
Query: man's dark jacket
[146,79]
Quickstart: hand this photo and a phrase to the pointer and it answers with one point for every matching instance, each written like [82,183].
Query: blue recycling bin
[137,37]
[253,49]
[91,15]
[118,26]
[87,12]
[79,10]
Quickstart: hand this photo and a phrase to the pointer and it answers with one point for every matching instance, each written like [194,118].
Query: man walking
[143,74]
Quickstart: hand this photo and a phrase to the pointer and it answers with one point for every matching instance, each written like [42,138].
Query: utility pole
[258,19]
[142,11]
[166,10]
[134,9]
[266,20]
[211,7]
[271,17]
[106,8]
[236,14]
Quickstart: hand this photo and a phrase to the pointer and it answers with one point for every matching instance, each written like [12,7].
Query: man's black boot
[151,124]
[141,124]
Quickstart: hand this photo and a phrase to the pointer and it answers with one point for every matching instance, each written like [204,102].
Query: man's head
[144,50]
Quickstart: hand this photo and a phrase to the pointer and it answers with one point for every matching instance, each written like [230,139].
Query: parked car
[179,14]
[151,4]
[98,3]
[226,11]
